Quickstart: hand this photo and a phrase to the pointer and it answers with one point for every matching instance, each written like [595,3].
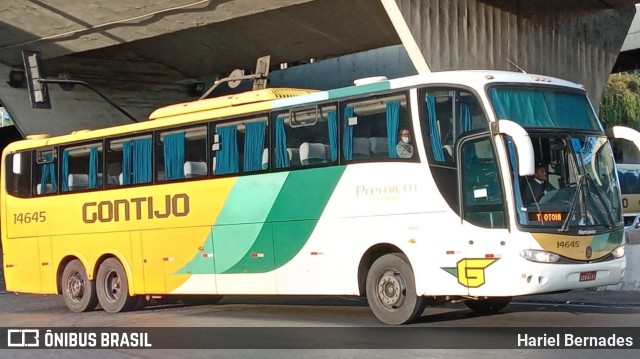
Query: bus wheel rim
[75,287]
[112,286]
[391,289]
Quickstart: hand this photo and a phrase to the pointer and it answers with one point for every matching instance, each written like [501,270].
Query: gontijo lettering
[136,209]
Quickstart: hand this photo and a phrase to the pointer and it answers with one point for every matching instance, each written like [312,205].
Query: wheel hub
[112,286]
[75,287]
[391,289]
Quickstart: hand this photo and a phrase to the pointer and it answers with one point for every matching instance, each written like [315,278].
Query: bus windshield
[574,185]
[544,107]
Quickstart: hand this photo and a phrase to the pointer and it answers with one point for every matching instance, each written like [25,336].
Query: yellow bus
[406,191]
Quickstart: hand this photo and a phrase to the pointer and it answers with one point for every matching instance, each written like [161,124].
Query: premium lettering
[136,209]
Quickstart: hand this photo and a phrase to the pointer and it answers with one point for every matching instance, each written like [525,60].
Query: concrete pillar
[469,34]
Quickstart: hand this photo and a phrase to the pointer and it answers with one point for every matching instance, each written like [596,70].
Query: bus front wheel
[391,290]
[113,287]
[78,292]
[489,305]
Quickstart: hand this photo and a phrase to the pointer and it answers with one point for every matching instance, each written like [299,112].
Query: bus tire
[489,305]
[113,288]
[391,290]
[78,292]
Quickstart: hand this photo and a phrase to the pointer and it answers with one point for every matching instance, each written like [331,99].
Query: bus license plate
[587,276]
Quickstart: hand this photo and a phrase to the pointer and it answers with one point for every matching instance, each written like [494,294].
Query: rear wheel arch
[63,264]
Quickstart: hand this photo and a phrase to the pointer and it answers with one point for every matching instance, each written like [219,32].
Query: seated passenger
[404,149]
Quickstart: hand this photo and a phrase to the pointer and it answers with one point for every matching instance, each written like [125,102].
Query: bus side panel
[170,256]
[48,278]
[22,265]
[244,258]
[137,265]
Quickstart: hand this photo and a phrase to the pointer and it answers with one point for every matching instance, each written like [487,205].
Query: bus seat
[379,146]
[265,158]
[77,181]
[312,153]
[327,153]
[195,169]
[48,189]
[360,148]
[294,157]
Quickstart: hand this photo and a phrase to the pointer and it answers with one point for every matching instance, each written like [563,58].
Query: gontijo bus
[300,192]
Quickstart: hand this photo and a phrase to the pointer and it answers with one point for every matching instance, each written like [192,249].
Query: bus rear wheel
[113,287]
[78,292]
[489,305]
[391,290]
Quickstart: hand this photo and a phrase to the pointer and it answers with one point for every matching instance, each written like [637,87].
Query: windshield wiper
[579,194]
[585,179]
[602,202]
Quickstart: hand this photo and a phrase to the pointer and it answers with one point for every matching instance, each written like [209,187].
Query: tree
[620,103]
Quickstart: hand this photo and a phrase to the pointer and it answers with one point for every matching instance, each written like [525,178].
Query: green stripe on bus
[266,220]
[251,198]
[358,90]
[294,215]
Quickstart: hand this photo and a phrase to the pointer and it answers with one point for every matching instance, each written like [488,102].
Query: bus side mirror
[522,141]
[624,133]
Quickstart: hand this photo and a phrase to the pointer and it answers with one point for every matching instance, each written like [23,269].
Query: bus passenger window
[449,114]
[129,161]
[181,154]
[306,137]
[371,129]
[45,173]
[18,174]
[81,167]
[241,146]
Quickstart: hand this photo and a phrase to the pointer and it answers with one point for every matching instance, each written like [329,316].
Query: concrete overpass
[146,53]
[629,58]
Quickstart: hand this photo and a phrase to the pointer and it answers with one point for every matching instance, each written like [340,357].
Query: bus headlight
[618,252]
[535,255]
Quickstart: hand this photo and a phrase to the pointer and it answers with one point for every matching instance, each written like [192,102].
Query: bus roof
[228,101]
[276,98]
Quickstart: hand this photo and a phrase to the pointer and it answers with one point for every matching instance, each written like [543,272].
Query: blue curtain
[48,175]
[173,151]
[571,110]
[127,165]
[93,167]
[347,135]
[332,123]
[65,171]
[142,149]
[434,132]
[282,157]
[227,155]
[254,145]
[465,117]
[393,120]
[525,106]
